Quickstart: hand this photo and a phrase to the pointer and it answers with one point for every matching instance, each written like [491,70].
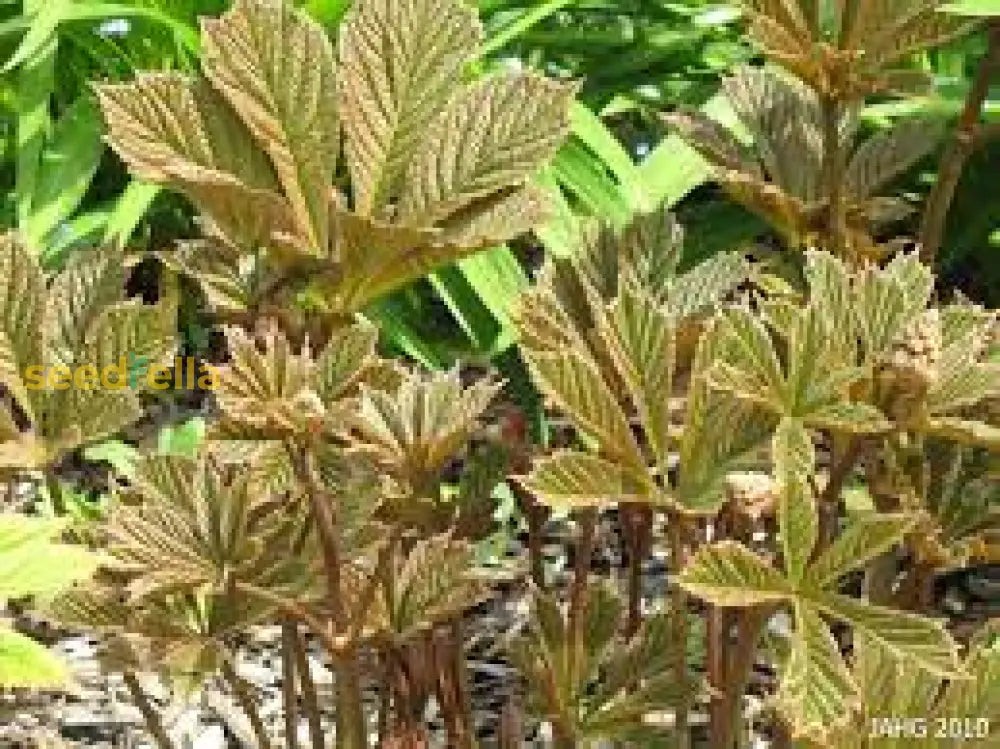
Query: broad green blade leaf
[516,121]
[729,574]
[128,211]
[924,641]
[816,691]
[32,563]
[184,439]
[392,86]
[27,664]
[673,169]
[798,520]
[575,384]
[41,32]
[640,338]
[276,68]
[480,290]
[570,480]
[865,538]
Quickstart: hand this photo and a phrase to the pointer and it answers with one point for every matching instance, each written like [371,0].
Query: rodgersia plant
[437,167]
[319,499]
[733,408]
[805,172]
[859,372]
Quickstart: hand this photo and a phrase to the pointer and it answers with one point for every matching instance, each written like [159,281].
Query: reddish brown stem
[957,152]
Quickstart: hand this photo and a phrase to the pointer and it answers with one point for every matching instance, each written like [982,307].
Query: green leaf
[729,574]
[32,564]
[972,8]
[120,455]
[183,439]
[923,641]
[498,114]
[393,86]
[673,169]
[865,538]
[128,211]
[575,384]
[748,366]
[480,291]
[816,690]
[798,521]
[849,418]
[571,480]
[41,33]
[640,338]
[589,128]
[27,664]
[68,163]
[277,70]
[347,353]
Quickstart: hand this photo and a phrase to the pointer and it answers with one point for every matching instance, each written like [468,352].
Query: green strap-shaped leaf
[816,691]
[865,538]
[571,480]
[276,69]
[729,574]
[924,641]
[516,123]
[394,84]
[798,522]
